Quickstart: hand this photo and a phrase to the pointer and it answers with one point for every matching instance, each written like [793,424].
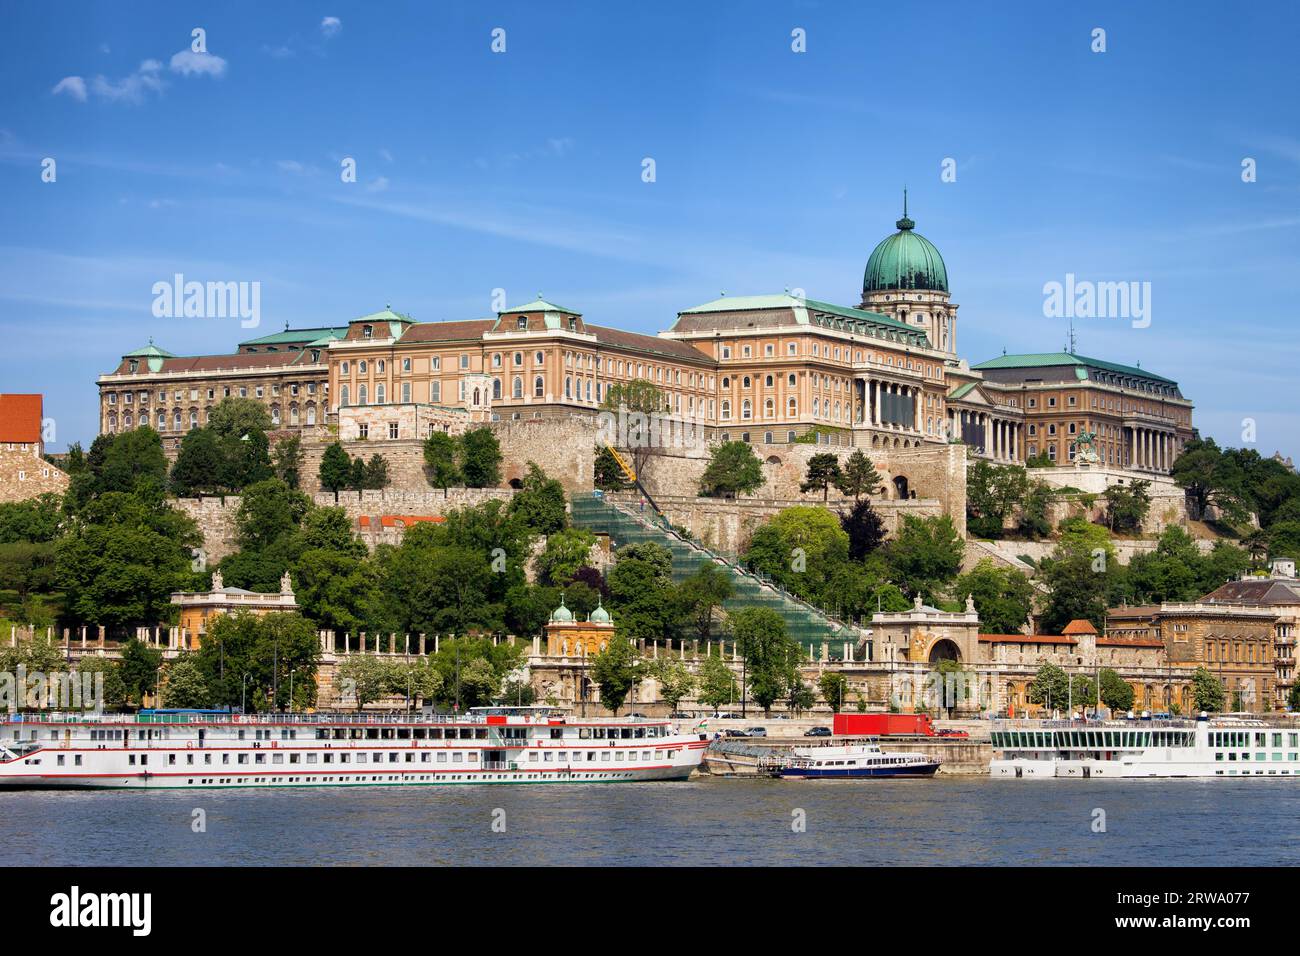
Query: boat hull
[857,773]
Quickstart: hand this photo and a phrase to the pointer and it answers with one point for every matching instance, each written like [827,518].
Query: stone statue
[217,582]
[286,585]
[1085,449]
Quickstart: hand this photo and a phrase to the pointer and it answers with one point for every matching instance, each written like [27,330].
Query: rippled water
[970,821]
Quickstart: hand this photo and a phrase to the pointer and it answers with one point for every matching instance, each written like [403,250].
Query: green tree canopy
[616,670]
[771,656]
[858,477]
[1003,596]
[733,469]
[480,458]
[440,460]
[822,474]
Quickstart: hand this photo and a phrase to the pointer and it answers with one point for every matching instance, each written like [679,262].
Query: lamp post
[243,695]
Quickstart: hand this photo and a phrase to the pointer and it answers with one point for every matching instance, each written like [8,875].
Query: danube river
[954,820]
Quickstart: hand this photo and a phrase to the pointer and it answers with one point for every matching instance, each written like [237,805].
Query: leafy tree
[335,469]
[540,503]
[1127,507]
[641,592]
[1211,478]
[992,494]
[1003,596]
[183,684]
[127,461]
[823,472]
[771,656]
[616,671]
[234,417]
[528,607]
[265,649]
[441,466]
[139,669]
[703,593]
[361,678]
[565,552]
[1255,543]
[926,554]
[1055,689]
[637,401]
[473,670]
[834,687]
[36,520]
[608,475]
[717,683]
[801,697]
[337,590]
[858,477]
[1041,460]
[114,689]
[200,467]
[675,681]
[268,510]
[286,460]
[27,568]
[1284,539]
[865,529]
[480,458]
[800,548]
[1033,521]
[1207,692]
[733,469]
[1116,693]
[376,473]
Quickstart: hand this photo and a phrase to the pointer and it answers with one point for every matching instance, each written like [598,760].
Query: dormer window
[522,322]
[315,356]
[367,331]
[133,365]
[573,324]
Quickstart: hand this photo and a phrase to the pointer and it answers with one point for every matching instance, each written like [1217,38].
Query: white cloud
[378,186]
[129,89]
[74,86]
[189,63]
[330,26]
[290,166]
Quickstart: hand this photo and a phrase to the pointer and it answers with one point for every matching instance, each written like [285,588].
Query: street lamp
[243,695]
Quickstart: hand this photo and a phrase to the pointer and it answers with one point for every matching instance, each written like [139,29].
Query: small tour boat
[851,761]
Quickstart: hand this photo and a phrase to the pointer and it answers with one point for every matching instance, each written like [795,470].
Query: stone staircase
[807,624]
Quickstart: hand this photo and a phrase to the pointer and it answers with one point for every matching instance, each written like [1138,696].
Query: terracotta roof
[649,343]
[1079,626]
[1118,641]
[400,521]
[1026,639]
[216,363]
[20,418]
[447,331]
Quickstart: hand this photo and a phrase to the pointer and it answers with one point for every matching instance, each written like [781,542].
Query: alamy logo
[74,909]
[208,300]
[1084,299]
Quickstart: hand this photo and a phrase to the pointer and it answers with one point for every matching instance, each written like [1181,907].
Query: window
[539,387]
[392,430]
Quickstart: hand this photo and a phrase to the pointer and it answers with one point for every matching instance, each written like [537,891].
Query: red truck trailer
[882,725]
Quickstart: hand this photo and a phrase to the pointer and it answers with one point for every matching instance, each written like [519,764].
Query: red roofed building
[24,472]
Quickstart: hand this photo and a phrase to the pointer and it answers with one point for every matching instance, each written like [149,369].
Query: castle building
[24,472]
[762,369]
[198,608]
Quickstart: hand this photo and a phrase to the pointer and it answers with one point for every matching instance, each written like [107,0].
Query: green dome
[600,615]
[561,615]
[905,260]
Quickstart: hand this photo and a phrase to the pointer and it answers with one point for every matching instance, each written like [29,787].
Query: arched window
[539,387]
[379,394]
[361,367]
[478,396]
[519,359]
[344,396]
[126,419]
[194,418]
[311,414]
[293,414]
[518,391]
[176,419]
[769,409]
[726,409]
[792,407]
[496,388]
[746,410]
[362,394]
[726,381]
[568,387]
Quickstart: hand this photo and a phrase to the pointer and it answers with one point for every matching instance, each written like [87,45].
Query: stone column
[988,434]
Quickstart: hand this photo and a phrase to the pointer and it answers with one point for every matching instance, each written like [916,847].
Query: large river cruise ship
[489,745]
[1237,746]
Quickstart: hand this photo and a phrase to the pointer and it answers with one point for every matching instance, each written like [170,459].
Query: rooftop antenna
[1070,343]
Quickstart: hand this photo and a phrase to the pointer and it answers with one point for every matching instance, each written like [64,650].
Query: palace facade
[763,369]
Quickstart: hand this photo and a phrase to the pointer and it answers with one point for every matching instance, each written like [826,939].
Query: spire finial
[905,223]
[904,201]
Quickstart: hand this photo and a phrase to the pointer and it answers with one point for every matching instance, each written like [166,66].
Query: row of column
[875,389]
[1153,450]
[1001,436]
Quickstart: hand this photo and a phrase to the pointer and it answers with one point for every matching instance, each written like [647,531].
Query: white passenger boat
[853,761]
[1205,747]
[490,745]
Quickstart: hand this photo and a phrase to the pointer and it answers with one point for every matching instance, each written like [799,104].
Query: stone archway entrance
[944,650]
[900,486]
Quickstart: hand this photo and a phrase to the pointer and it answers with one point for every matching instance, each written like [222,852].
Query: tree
[858,477]
[637,402]
[608,474]
[800,548]
[361,679]
[717,683]
[1116,693]
[27,568]
[184,685]
[865,529]
[564,554]
[616,671]
[335,469]
[1003,596]
[267,511]
[139,669]
[265,649]
[234,417]
[992,494]
[36,519]
[114,689]
[733,469]
[286,461]
[834,687]
[1033,521]
[801,697]
[1056,690]
[1284,539]
[441,467]
[771,656]
[1127,507]
[376,473]
[200,465]
[703,593]
[1255,543]
[1212,478]
[1207,691]
[540,502]
[926,554]
[823,472]
[1079,576]
[675,681]
[480,458]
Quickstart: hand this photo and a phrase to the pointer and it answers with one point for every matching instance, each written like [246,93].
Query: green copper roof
[815,312]
[298,335]
[541,305]
[961,391]
[153,354]
[1081,363]
[905,260]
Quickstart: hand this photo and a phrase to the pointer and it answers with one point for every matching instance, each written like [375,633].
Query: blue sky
[522,170]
